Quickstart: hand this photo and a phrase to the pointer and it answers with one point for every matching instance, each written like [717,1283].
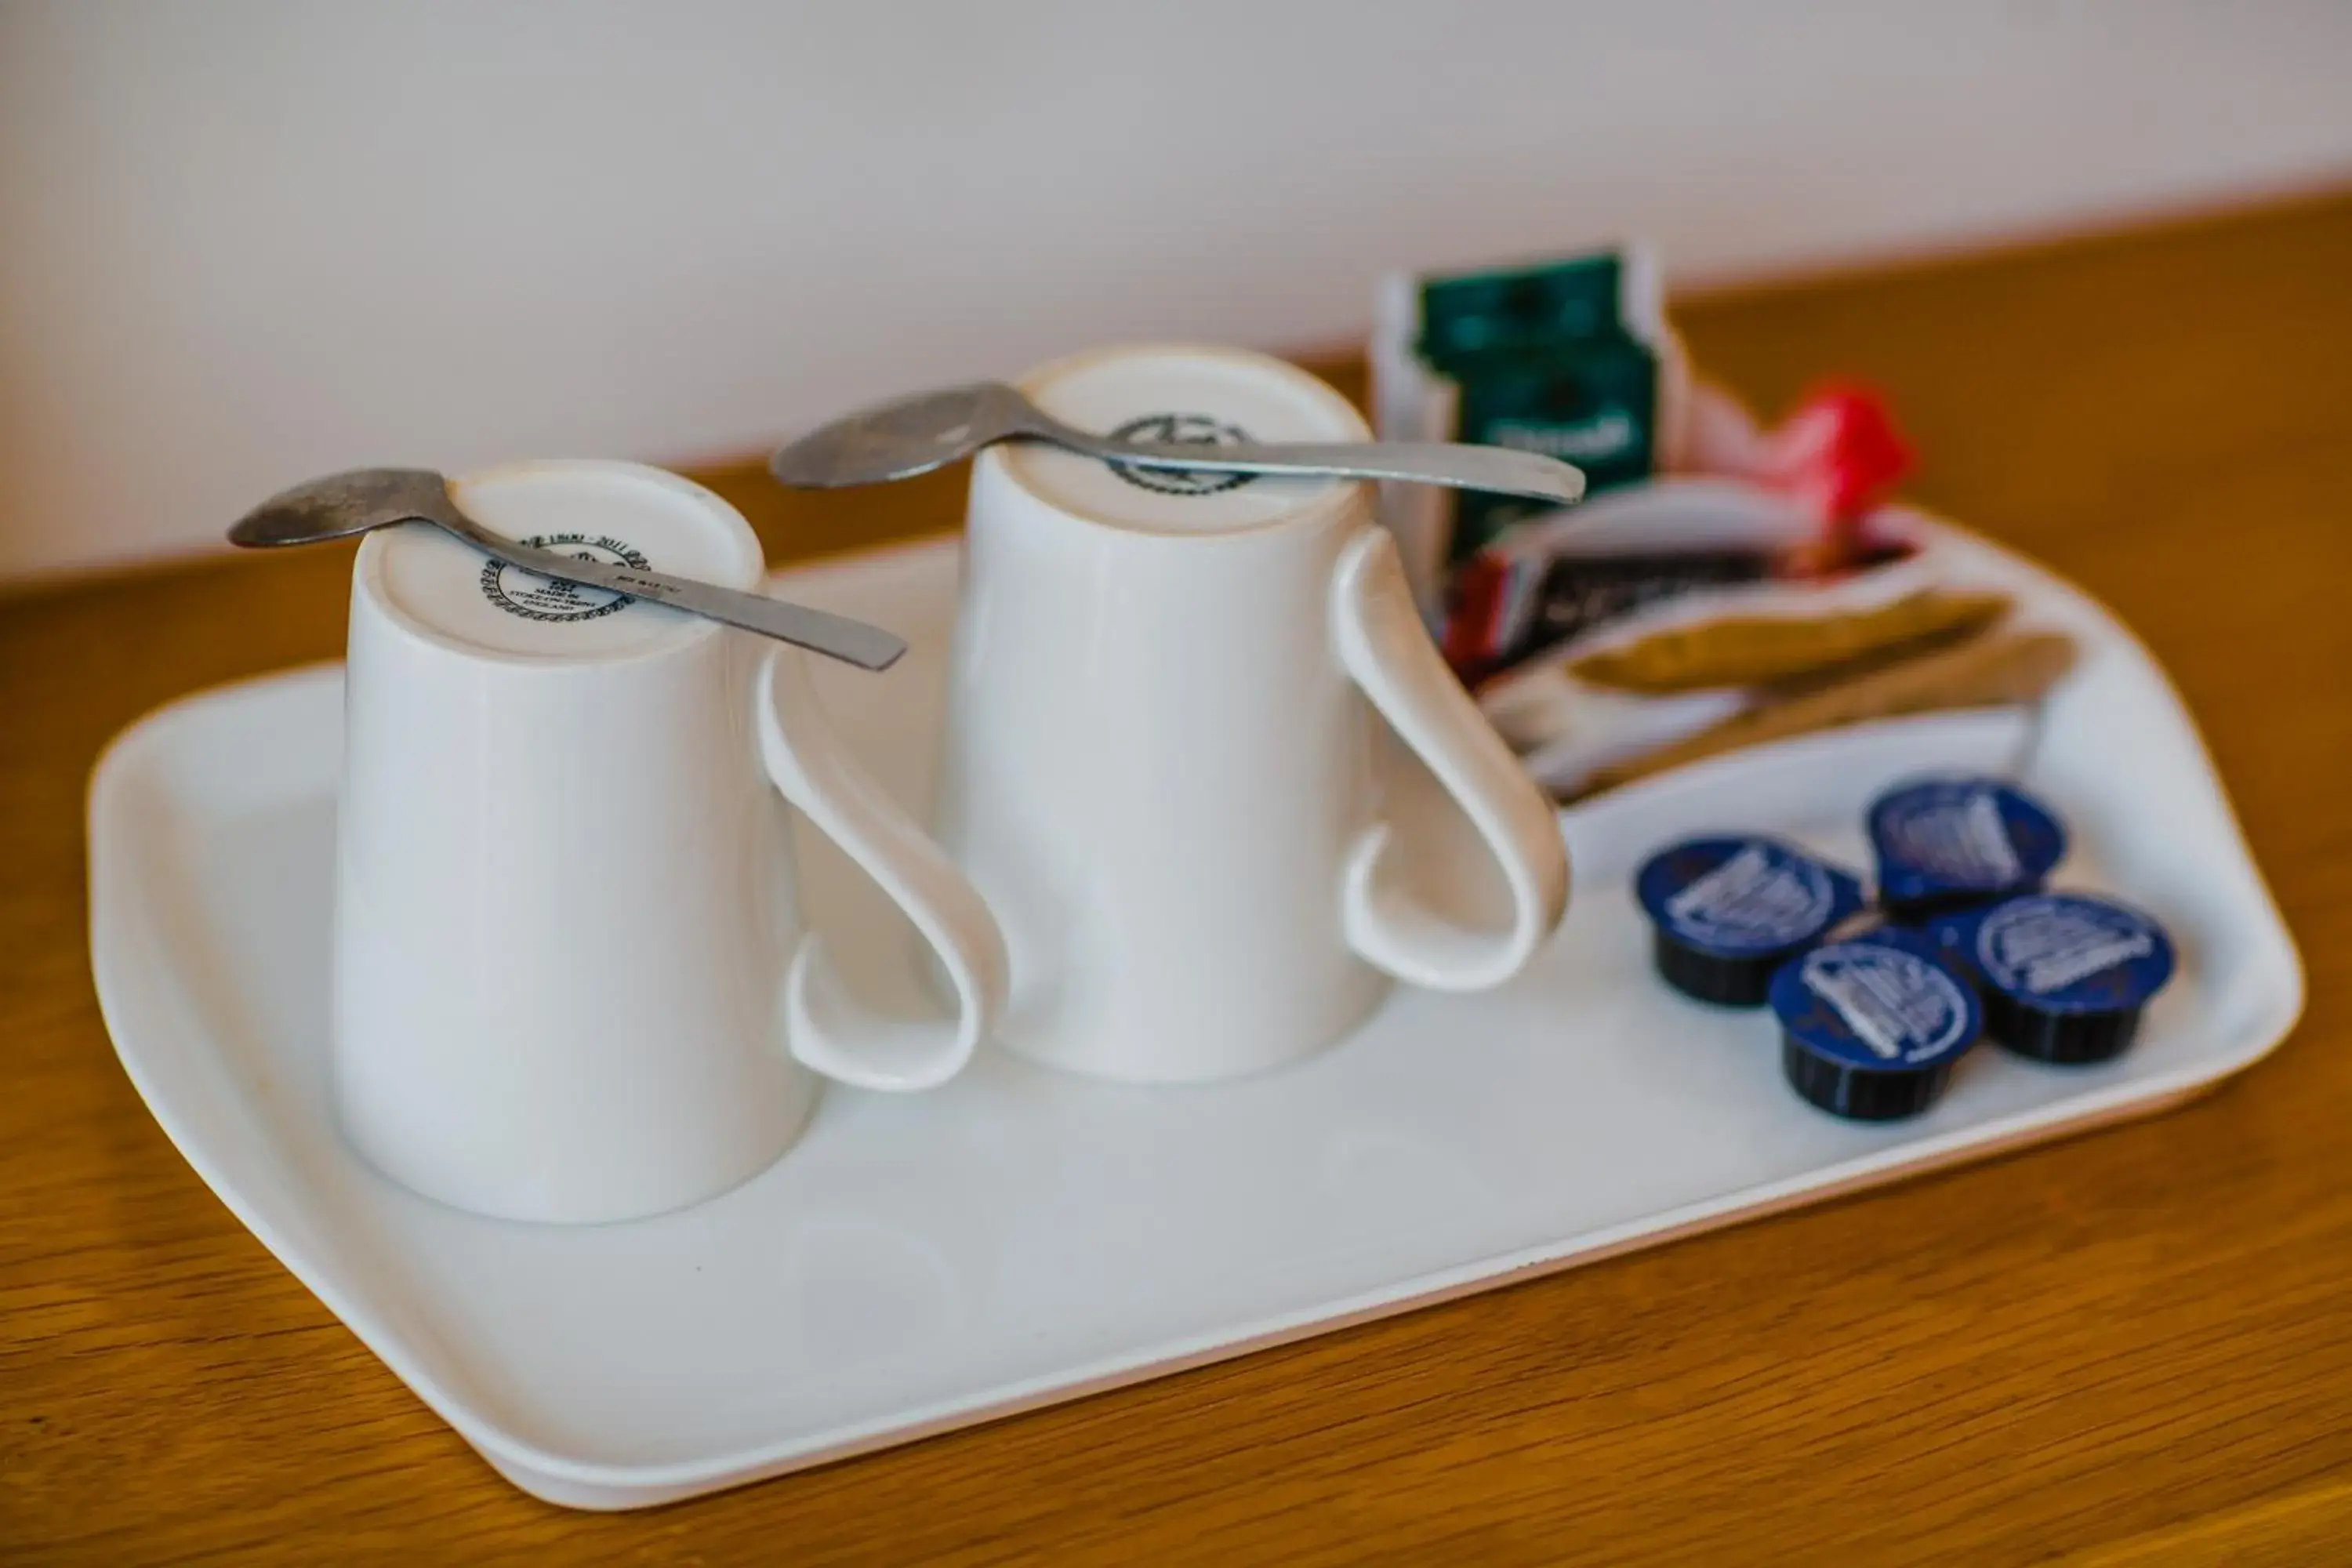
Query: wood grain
[2132,1349]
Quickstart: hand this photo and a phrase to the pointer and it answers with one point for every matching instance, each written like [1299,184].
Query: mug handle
[827,1027]
[1386,651]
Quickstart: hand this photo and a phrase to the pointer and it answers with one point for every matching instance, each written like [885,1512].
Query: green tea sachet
[1571,358]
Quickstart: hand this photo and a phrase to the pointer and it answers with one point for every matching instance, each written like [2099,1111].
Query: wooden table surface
[2132,1347]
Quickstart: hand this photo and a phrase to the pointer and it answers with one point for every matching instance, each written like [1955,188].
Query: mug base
[518,1198]
[1173,1059]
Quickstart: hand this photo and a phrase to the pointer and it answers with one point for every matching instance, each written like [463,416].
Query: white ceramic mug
[570,978]
[1163,768]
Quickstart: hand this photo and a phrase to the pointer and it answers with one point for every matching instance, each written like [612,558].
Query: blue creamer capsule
[1732,908]
[1955,843]
[2064,977]
[1871,1027]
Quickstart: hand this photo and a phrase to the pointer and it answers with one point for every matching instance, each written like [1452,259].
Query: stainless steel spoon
[344,504]
[913,435]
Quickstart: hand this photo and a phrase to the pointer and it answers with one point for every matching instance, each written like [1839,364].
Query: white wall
[248,240]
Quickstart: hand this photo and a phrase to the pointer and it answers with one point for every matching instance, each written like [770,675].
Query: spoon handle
[1501,469]
[853,642]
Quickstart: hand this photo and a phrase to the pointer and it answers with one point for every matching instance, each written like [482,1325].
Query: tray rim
[596,1484]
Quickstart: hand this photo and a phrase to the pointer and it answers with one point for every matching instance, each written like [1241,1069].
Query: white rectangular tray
[918,1263]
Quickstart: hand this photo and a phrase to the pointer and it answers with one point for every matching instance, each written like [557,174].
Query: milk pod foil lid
[1743,895]
[1958,840]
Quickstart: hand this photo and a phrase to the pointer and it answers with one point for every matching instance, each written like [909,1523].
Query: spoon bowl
[906,437]
[342,505]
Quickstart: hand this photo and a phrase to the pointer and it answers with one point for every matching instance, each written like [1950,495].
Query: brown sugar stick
[1754,650]
[1986,671]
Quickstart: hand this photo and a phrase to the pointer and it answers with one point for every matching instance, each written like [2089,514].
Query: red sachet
[1837,455]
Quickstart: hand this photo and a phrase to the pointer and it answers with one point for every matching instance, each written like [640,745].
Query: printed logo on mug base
[1181,430]
[537,598]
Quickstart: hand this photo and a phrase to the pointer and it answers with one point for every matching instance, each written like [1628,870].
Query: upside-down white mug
[1163,767]
[570,978]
